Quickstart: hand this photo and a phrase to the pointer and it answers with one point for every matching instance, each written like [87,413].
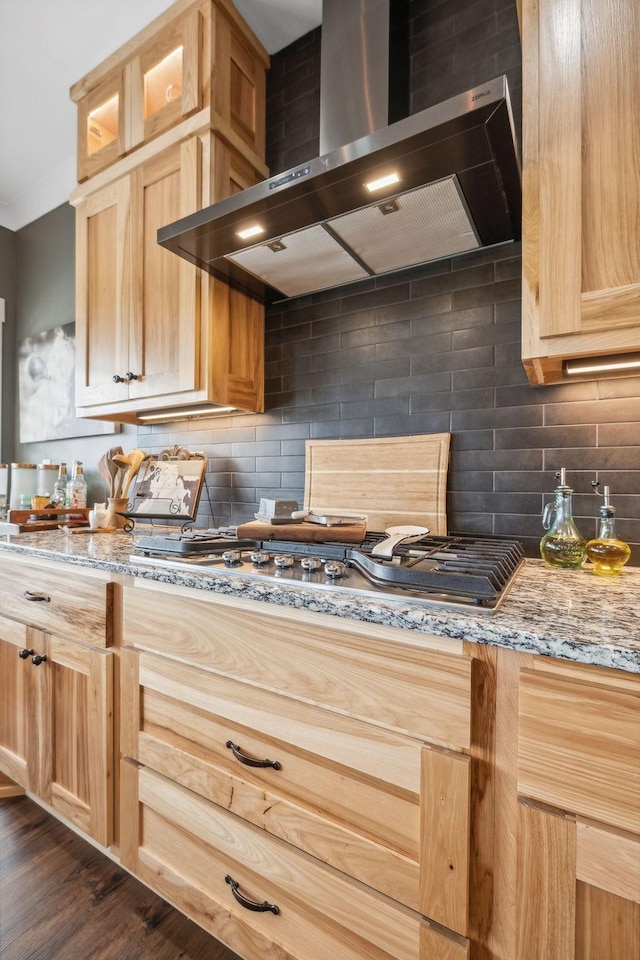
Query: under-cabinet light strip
[602,364]
[183,413]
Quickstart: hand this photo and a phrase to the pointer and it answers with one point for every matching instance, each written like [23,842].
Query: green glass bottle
[563,545]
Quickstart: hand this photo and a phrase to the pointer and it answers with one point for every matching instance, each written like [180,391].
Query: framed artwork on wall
[46,389]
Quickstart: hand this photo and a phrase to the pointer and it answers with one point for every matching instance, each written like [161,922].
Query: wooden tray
[392,480]
[20,521]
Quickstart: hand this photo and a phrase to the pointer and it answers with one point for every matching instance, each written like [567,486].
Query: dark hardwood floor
[61,899]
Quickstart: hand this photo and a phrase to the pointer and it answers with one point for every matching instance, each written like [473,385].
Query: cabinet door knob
[249,761]
[25,654]
[38,659]
[131,376]
[117,378]
[36,596]
[263,907]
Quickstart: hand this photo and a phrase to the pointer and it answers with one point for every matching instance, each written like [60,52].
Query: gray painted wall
[45,298]
[8,294]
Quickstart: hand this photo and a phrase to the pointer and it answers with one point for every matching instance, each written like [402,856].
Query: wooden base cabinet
[305,775]
[591,882]
[56,724]
[579,815]
[14,680]
[56,691]
[581,189]
[306,787]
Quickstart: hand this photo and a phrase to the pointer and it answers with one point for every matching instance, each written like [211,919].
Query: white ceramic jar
[47,474]
[4,485]
[24,482]
[98,516]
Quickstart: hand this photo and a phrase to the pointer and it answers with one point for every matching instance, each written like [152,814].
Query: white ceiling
[45,47]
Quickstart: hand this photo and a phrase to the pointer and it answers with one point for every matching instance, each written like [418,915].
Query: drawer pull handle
[249,761]
[37,596]
[38,659]
[25,654]
[250,904]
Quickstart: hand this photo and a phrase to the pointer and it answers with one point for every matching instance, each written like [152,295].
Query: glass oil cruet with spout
[606,553]
[563,545]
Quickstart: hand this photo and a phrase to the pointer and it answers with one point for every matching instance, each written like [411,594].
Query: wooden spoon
[135,459]
[113,468]
[122,463]
[103,469]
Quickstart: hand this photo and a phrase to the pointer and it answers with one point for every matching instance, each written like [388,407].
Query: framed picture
[167,489]
[46,389]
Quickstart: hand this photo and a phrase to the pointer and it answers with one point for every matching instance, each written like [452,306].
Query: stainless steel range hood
[435,184]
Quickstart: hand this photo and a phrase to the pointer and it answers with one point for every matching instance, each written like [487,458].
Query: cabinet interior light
[612,364]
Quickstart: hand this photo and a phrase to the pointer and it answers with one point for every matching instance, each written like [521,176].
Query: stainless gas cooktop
[460,571]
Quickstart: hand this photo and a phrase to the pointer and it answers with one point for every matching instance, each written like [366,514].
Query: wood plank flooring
[61,899]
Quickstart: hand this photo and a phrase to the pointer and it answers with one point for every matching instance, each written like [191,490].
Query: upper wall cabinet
[172,122]
[581,185]
[154,332]
[197,55]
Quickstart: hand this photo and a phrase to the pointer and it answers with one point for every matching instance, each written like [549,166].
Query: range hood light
[613,364]
[185,413]
[249,232]
[382,182]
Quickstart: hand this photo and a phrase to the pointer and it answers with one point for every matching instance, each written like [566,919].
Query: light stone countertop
[570,614]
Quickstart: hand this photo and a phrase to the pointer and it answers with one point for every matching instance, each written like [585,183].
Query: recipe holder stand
[168,487]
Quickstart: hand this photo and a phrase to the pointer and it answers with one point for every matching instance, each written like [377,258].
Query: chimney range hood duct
[434,184]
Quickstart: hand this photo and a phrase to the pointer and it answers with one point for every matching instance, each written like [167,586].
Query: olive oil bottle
[606,552]
[563,545]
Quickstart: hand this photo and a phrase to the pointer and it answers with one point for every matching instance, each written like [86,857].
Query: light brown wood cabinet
[152,330]
[395,795]
[56,693]
[324,769]
[581,189]
[154,333]
[198,55]
[579,815]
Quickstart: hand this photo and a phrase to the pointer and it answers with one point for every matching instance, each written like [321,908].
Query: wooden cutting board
[393,480]
[303,532]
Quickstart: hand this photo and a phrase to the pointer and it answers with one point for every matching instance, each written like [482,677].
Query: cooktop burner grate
[186,543]
[462,566]
[453,570]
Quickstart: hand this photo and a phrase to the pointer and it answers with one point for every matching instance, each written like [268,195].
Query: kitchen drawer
[188,849]
[374,804]
[58,598]
[579,744]
[349,669]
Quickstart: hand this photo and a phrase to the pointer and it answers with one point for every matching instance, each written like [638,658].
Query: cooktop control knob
[231,557]
[311,563]
[260,557]
[284,561]
[334,569]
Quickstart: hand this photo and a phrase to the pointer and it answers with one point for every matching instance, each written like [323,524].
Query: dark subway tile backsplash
[432,349]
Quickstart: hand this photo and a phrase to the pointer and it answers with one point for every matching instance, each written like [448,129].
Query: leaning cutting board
[393,480]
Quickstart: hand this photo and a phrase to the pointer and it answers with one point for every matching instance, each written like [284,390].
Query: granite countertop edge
[566,614]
